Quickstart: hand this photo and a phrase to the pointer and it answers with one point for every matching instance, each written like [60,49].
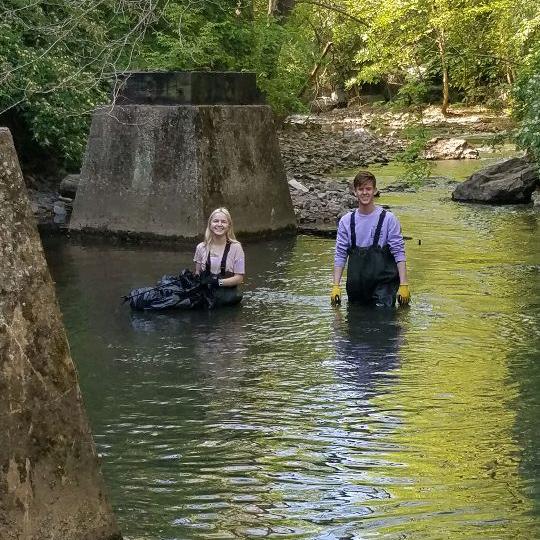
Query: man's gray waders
[372,274]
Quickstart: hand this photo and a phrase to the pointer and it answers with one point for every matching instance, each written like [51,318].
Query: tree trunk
[510,78]
[441,44]
[280,9]
[315,69]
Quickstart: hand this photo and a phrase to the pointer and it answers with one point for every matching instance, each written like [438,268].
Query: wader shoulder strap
[377,235]
[353,230]
[223,259]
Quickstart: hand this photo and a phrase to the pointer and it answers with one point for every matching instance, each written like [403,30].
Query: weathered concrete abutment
[154,169]
[50,483]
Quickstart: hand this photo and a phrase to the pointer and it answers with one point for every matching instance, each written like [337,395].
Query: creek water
[286,418]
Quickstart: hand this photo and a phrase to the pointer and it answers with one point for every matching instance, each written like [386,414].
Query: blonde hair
[208,237]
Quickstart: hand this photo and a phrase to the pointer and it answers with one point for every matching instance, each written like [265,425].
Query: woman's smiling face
[219,224]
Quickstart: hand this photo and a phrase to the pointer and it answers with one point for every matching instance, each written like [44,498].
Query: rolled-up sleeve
[239,264]
[395,239]
[342,242]
[199,256]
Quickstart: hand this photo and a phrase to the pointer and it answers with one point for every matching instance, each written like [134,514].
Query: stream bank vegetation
[59,59]
[416,169]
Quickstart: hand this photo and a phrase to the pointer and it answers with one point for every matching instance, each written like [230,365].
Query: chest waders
[372,274]
[224,296]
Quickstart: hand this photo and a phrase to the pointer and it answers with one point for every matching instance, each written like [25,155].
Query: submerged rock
[509,182]
[50,485]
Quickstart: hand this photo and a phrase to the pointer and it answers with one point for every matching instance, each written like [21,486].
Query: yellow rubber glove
[335,295]
[403,295]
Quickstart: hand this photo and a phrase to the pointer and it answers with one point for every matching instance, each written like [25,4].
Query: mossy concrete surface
[50,482]
[160,170]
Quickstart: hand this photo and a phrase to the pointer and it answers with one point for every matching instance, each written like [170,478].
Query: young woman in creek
[219,259]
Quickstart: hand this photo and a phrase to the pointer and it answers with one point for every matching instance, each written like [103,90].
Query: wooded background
[59,59]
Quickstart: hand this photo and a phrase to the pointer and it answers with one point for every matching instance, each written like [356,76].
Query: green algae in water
[457,169]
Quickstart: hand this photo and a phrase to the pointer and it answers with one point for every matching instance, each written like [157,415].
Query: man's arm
[340,259]
[397,248]
[338,272]
[402,270]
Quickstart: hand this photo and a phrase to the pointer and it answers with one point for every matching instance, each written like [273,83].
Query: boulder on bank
[323,104]
[68,185]
[319,200]
[439,148]
[509,182]
[50,485]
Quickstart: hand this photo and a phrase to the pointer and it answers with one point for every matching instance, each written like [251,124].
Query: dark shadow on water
[179,320]
[212,343]
[367,343]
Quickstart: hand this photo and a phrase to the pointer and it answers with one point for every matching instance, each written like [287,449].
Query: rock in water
[50,483]
[509,182]
[69,184]
[439,148]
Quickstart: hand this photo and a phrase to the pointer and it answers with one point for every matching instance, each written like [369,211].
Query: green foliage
[527,98]
[59,57]
[528,92]
[413,92]
[55,58]
[217,36]
[203,35]
[417,135]
[416,168]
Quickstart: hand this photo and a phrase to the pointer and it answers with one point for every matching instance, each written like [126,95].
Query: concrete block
[50,483]
[188,88]
[159,171]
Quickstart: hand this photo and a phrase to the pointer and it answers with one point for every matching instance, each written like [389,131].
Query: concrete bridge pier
[174,147]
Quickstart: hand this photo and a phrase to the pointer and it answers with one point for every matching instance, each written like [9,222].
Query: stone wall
[50,483]
[160,170]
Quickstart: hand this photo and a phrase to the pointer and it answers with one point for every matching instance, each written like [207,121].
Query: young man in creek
[370,238]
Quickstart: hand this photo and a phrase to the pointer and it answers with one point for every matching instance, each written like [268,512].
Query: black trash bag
[142,297]
[185,291]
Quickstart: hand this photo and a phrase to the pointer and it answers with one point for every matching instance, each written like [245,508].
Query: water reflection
[367,345]
[286,418]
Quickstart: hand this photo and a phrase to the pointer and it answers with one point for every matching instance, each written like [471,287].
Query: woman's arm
[238,268]
[232,281]
[198,258]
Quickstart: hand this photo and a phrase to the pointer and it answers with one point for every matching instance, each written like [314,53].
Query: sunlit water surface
[285,418]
